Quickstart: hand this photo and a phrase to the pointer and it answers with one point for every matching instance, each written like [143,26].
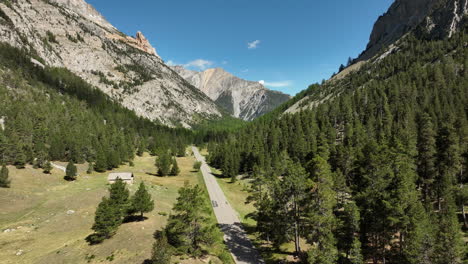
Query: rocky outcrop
[439,18]
[446,19]
[243,99]
[138,42]
[72,34]
[402,16]
[144,44]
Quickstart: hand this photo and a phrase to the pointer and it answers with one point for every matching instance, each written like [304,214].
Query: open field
[44,219]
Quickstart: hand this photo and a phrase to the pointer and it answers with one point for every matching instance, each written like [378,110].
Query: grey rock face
[438,17]
[72,34]
[243,99]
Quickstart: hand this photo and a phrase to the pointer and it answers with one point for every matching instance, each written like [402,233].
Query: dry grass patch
[45,219]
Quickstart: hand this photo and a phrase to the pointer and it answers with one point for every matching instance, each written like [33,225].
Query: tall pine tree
[4,177]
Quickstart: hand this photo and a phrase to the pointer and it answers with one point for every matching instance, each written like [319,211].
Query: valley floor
[44,219]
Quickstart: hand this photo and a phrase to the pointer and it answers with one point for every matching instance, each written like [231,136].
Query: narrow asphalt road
[235,236]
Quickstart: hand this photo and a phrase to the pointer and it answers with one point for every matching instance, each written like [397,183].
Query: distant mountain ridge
[73,35]
[241,98]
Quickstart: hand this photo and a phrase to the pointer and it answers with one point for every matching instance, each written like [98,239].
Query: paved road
[234,235]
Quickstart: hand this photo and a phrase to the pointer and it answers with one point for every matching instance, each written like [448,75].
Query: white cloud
[276,84]
[253,45]
[224,62]
[199,64]
[245,70]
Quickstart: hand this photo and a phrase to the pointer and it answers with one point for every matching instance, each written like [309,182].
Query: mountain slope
[243,99]
[73,35]
[439,19]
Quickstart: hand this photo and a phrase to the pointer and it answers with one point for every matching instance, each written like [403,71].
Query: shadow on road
[239,244]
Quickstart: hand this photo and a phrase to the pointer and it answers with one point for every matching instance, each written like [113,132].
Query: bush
[51,37]
[197,165]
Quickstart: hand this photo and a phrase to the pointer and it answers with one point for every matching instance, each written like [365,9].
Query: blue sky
[287,44]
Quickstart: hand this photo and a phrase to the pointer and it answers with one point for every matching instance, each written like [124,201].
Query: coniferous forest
[370,167]
[376,173]
[52,114]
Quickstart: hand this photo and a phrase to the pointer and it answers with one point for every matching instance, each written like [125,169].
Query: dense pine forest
[52,114]
[377,172]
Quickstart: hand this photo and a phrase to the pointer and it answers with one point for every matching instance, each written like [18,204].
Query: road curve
[235,236]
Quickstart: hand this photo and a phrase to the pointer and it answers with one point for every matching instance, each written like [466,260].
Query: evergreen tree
[106,221]
[119,196]
[348,234]
[101,161]
[292,195]
[407,215]
[162,251]
[355,256]
[141,201]
[448,164]
[320,216]
[113,160]
[90,168]
[70,172]
[450,247]
[175,168]
[426,158]
[197,165]
[141,148]
[228,167]
[4,180]
[163,162]
[47,168]
[188,229]
[20,160]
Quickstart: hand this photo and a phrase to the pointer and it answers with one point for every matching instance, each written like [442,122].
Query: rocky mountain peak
[144,44]
[241,98]
[439,18]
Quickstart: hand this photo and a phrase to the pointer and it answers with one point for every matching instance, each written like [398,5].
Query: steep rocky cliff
[243,99]
[72,34]
[438,17]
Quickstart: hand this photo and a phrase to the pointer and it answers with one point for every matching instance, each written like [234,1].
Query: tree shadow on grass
[134,218]
[94,239]
[218,175]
